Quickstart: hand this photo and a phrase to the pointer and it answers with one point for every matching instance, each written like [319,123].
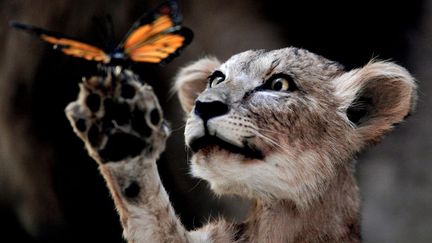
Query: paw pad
[120,146]
[80,124]
[155,117]
[132,191]
[127,91]
[93,102]
[118,117]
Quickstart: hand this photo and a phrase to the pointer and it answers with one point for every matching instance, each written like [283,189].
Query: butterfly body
[118,56]
[157,37]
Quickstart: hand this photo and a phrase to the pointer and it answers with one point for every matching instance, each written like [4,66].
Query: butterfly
[156,37]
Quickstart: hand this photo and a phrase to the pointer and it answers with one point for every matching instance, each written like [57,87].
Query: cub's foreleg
[120,121]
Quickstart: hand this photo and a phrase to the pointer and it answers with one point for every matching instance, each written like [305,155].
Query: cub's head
[278,124]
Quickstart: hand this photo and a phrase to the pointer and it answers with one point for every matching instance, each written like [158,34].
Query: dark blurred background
[51,191]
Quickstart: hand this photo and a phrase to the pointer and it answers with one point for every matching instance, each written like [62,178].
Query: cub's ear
[376,97]
[192,80]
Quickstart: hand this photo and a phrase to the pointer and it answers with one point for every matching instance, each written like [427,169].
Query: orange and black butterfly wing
[157,37]
[162,47]
[65,44]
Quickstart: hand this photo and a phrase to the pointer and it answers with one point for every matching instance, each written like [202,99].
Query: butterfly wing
[158,36]
[67,45]
[161,47]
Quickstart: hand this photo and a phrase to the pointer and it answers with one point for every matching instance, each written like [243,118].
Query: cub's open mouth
[209,141]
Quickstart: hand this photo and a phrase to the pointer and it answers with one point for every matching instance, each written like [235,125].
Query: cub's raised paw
[118,117]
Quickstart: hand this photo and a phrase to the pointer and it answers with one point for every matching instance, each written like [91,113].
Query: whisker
[267,130]
[178,128]
[196,185]
[270,141]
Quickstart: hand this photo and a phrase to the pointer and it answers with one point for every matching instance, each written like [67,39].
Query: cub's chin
[227,167]
[226,172]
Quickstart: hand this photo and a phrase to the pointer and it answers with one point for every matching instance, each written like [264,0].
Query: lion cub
[279,127]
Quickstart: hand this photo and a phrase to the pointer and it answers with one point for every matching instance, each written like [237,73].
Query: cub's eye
[281,82]
[216,78]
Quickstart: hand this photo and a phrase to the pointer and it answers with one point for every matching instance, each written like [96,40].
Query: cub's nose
[207,110]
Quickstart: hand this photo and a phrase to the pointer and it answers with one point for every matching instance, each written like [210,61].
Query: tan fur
[302,185]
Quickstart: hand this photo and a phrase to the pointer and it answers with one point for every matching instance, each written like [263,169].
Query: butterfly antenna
[104,26]
[109,32]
